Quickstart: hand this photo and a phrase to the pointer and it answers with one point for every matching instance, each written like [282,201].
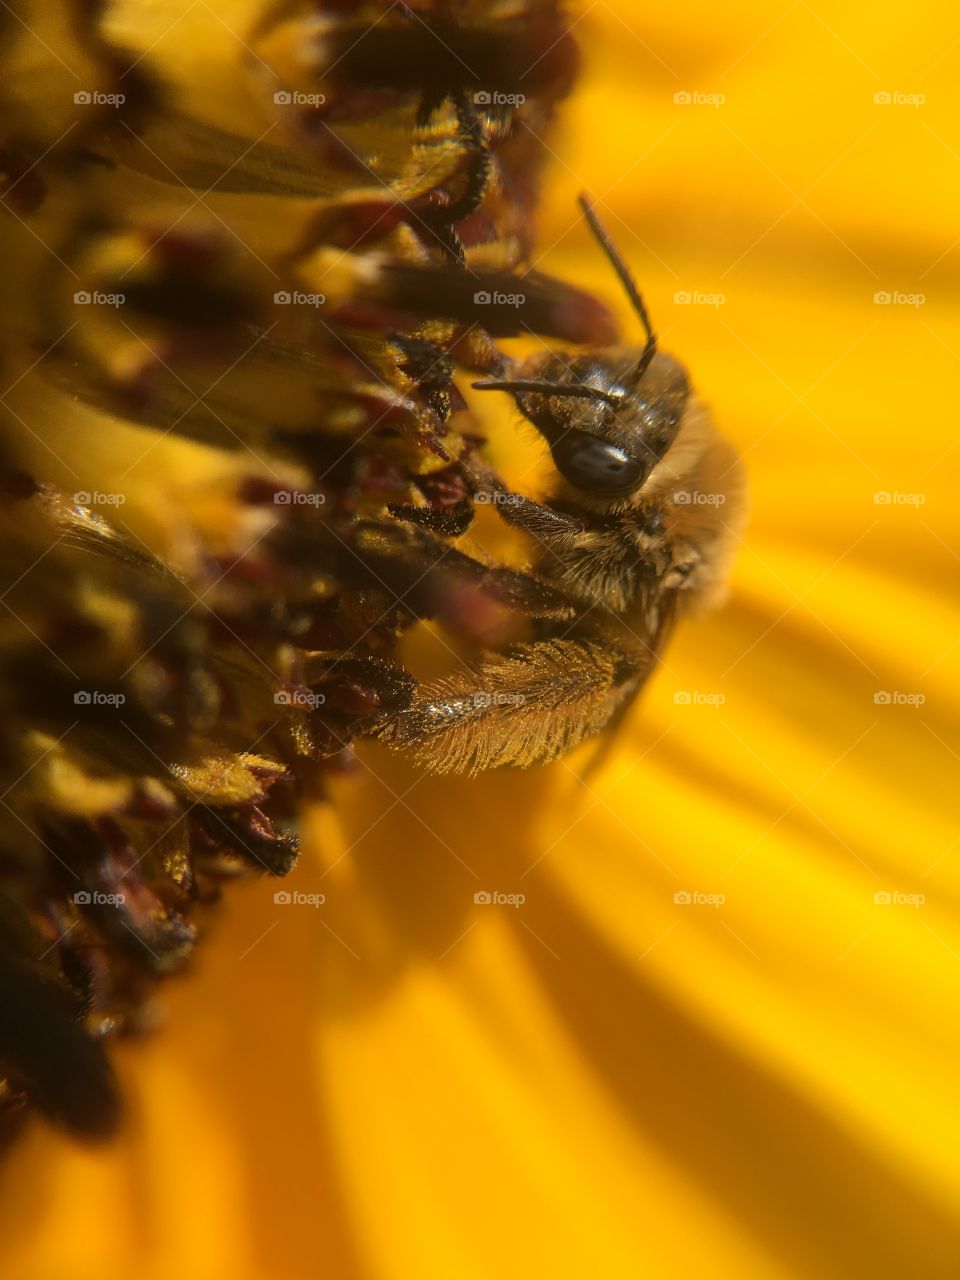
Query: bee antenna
[536,386]
[626,279]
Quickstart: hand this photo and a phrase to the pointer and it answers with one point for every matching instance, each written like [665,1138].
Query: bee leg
[556,532]
[523,513]
[441,221]
[431,368]
[478,171]
[525,706]
[429,577]
[542,522]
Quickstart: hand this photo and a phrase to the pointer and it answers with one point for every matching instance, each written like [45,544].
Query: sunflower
[688,1013]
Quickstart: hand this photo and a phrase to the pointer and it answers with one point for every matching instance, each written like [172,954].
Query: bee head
[609,417]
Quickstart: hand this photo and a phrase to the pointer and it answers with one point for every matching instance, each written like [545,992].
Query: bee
[639,528]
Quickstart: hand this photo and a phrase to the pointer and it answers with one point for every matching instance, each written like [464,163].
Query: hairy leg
[525,706]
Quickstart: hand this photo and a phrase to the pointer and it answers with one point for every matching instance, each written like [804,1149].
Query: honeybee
[640,527]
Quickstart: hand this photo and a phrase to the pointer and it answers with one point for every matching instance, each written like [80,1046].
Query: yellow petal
[755,1078]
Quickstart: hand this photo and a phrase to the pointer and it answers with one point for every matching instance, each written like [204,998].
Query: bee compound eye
[596,465]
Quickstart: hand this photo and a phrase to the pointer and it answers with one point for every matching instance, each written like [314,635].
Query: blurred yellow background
[608,1079]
